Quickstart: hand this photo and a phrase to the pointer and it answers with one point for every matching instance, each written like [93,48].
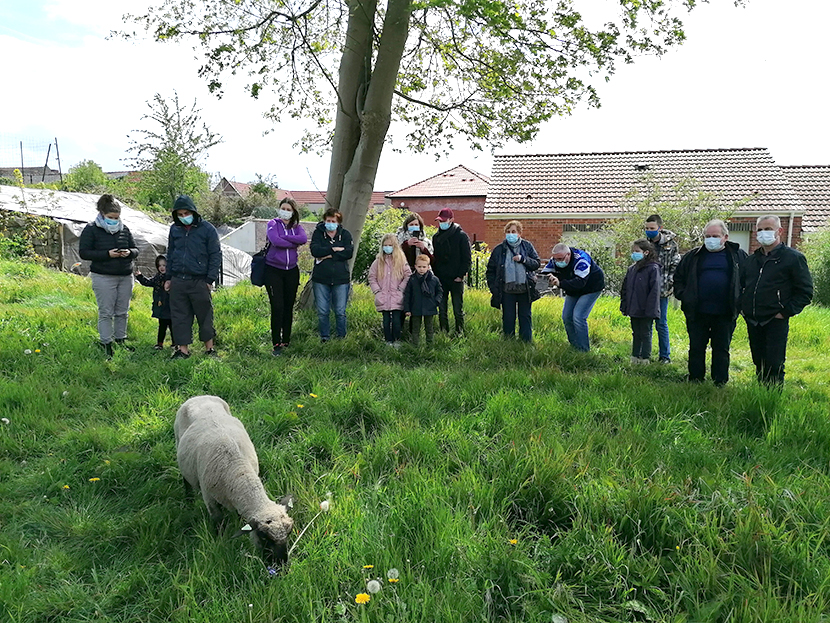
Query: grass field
[503,482]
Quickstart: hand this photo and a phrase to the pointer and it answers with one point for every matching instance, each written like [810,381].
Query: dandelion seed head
[325,505]
[5,420]
[392,574]
[373,586]
[65,394]
[362,598]
[28,351]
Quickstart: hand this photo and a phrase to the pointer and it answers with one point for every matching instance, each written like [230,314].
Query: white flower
[28,351]
[5,420]
[373,586]
[325,505]
[65,394]
[392,574]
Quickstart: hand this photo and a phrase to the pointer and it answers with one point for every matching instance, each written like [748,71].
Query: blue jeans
[510,303]
[326,297]
[662,326]
[575,316]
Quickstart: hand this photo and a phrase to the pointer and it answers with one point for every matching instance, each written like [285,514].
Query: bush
[817,249]
[377,224]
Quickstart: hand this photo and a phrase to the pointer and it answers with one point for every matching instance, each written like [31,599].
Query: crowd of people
[413,278]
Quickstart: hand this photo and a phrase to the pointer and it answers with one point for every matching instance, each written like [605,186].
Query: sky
[746,77]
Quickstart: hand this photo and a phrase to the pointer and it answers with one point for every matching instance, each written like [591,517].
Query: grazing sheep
[217,457]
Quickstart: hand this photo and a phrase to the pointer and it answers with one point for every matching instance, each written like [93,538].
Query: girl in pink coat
[387,279]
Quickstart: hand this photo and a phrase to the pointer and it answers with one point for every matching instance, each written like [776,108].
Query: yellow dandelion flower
[393,580]
[106,462]
[66,486]
[513,541]
[368,566]
[362,598]
[300,406]
[313,395]
[37,350]
[677,547]
[96,479]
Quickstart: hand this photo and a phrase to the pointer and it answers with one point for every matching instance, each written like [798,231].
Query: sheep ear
[288,502]
[246,529]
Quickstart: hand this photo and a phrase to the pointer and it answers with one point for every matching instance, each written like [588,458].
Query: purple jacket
[284,243]
[388,291]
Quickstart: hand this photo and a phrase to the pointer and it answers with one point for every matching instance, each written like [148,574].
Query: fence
[32,157]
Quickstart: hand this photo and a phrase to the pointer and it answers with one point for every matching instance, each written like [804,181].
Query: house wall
[469,211]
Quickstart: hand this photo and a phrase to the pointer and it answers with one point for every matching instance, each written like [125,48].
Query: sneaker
[180,355]
[211,353]
[122,343]
[108,349]
[323,340]
[277,350]
[665,360]
[158,347]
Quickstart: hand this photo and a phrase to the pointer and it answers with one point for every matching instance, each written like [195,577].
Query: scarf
[424,279]
[113,229]
[514,272]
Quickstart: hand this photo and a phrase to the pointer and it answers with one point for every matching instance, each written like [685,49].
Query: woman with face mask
[413,239]
[282,275]
[512,281]
[332,248]
[109,246]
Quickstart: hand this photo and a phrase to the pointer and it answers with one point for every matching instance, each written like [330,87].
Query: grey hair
[560,247]
[716,221]
[769,217]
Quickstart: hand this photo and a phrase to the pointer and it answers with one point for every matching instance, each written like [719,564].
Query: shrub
[377,224]
[817,250]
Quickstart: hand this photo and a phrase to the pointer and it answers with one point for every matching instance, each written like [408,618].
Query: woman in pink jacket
[282,275]
[387,279]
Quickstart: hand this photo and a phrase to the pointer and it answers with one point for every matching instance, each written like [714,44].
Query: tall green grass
[504,482]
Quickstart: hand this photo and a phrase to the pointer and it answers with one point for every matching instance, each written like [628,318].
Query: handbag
[258,266]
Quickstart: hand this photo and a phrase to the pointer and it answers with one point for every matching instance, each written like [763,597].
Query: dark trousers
[392,325]
[705,329]
[429,328]
[513,305]
[641,337]
[281,286]
[456,289]
[164,324]
[768,344]
[189,299]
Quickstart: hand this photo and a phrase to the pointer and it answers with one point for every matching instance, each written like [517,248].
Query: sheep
[216,456]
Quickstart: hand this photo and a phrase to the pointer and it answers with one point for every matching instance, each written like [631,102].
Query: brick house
[461,189]
[812,184]
[557,194]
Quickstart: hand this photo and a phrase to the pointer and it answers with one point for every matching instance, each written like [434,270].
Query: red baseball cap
[444,215]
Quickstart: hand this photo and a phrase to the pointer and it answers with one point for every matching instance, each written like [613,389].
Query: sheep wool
[216,456]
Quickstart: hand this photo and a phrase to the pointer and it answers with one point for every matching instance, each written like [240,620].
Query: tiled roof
[314,197]
[812,183]
[594,183]
[457,182]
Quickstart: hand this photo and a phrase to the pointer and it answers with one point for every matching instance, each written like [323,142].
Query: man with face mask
[707,283]
[776,285]
[665,243]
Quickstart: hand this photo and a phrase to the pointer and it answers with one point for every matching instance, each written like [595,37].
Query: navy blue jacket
[640,293]
[333,271]
[581,276]
[194,252]
[95,244]
[416,301]
[161,298]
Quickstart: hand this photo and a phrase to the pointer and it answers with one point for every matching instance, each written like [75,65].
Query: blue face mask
[387,248]
[560,264]
[186,220]
[111,222]
[413,229]
[511,238]
[444,226]
[651,234]
[713,243]
[331,226]
[637,256]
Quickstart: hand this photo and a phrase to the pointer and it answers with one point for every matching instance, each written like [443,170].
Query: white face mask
[765,237]
[713,243]
[285,214]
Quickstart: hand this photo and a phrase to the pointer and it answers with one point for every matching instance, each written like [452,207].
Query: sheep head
[270,527]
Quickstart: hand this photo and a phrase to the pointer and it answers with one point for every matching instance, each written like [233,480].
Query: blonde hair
[398,258]
[424,259]
[515,224]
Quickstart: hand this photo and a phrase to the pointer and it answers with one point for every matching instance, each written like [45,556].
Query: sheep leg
[215,512]
[188,488]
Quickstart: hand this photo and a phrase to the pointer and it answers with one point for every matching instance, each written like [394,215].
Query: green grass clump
[501,481]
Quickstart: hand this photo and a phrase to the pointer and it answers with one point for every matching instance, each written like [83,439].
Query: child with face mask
[388,276]
[640,298]
[161,300]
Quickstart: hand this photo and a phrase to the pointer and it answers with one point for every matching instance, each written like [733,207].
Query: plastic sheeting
[73,211]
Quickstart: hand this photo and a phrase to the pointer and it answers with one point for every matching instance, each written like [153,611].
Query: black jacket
[640,293]
[193,252]
[778,283]
[161,298]
[451,253]
[686,278]
[495,270]
[95,244]
[420,303]
[333,271]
